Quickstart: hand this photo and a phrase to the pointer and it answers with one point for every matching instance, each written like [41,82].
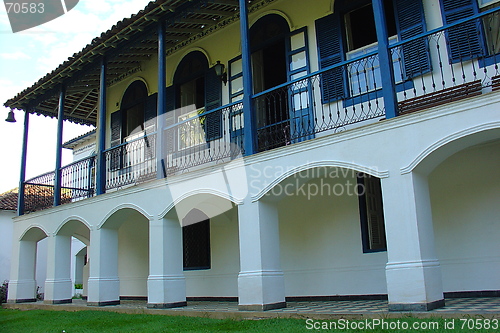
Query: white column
[58,285]
[22,284]
[166,282]
[261,284]
[413,272]
[103,283]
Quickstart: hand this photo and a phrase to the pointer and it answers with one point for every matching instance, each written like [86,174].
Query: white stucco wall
[41,264]
[465,194]
[221,279]
[6,229]
[133,257]
[321,249]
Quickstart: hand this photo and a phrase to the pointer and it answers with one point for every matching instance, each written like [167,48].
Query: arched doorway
[269,69]
[195,91]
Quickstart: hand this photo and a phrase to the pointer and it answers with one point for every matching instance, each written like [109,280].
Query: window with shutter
[350,33]
[197,90]
[465,40]
[410,21]
[115,162]
[491,29]
[136,117]
[330,52]
[169,136]
[371,213]
[150,113]
[213,100]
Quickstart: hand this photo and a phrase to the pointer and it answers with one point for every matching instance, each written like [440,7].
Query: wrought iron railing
[329,100]
[436,67]
[131,163]
[39,192]
[77,182]
[213,136]
[78,179]
[456,62]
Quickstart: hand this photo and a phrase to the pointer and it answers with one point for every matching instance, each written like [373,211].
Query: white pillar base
[57,291]
[103,291]
[414,286]
[261,290]
[22,291]
[166,292]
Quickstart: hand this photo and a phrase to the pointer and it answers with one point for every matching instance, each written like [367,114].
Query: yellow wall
[223,45]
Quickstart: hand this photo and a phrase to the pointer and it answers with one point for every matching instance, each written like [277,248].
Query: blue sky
[27,56]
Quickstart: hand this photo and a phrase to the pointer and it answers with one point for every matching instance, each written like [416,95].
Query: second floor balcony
[353,87]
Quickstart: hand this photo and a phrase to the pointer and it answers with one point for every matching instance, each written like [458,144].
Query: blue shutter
[115,157]
[464,41]
[330,52]
[169,136]
[150,113]
[213,100]
[410,20]
[116,128]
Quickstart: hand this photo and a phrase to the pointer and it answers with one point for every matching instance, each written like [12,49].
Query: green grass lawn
[101,321]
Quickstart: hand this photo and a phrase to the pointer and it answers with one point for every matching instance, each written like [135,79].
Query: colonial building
[263,151]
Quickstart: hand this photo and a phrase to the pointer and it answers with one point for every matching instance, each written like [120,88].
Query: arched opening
[464,190]
[133,107]
[136,120]
[123,250]
[268,43]
[331,233]
[210,247]
[190,90]
[30,269]
[73,259]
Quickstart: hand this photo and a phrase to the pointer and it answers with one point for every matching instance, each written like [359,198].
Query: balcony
[440,66]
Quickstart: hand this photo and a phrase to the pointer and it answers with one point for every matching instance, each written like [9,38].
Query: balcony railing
[131,163]
[214,136]
[436,67]
[77,182]
[455,63]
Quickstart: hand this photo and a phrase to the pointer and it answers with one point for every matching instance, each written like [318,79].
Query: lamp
[10,117]
[219,71]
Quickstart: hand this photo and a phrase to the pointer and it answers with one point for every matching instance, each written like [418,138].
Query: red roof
[8,200]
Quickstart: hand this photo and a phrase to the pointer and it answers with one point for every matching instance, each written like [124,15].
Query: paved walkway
[455,307]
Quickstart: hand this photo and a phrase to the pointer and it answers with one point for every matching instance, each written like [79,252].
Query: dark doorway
[269,66]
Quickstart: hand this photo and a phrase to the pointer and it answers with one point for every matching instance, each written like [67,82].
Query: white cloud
[35,52]
[18,55]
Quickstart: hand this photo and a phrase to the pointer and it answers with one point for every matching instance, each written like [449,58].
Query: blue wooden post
[60,118]
[22,176]
[162,86]
[385,59]
[101,135]
[249,132]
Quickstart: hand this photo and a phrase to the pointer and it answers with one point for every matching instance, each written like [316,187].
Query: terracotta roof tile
[8,200]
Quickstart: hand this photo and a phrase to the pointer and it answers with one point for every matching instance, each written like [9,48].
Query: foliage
[3,291]
[78,286]
[39,295]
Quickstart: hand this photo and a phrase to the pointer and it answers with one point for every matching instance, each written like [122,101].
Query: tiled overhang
[127,44]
